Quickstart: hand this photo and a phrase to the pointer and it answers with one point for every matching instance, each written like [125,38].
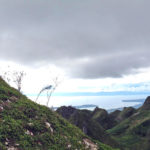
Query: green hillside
[134,131]
[89,123]
[25,125]
[128,129]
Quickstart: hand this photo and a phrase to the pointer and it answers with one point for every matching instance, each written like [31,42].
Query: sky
[92,45]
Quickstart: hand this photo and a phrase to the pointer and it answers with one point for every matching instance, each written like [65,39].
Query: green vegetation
[134,132]
[128,129]
[25,125]
[90,123]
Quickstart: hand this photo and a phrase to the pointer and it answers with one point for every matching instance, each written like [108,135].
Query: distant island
[87,106]
[81,106]
[135,100]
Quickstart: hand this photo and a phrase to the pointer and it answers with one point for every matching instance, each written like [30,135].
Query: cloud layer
[88,38]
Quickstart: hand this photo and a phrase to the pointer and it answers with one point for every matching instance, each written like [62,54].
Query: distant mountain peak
[146,104]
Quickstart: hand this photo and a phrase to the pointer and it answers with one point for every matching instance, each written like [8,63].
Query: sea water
[106,102]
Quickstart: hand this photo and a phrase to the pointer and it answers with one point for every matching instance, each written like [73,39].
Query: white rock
[12,148]
[30,124]
[29,133]
[69,146]
[48,125]
[89,144]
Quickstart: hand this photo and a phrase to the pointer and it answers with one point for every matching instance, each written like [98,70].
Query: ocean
[106,102]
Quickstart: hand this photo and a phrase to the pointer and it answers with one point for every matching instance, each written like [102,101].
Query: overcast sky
[96,45]
[86,38]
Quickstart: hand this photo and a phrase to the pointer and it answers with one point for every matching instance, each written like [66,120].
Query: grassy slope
[26,125]
[134,132]
[94,129]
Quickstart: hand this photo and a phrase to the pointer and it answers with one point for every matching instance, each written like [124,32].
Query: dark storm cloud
[87,38]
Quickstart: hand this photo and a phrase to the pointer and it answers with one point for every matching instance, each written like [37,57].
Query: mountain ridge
[129,127]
